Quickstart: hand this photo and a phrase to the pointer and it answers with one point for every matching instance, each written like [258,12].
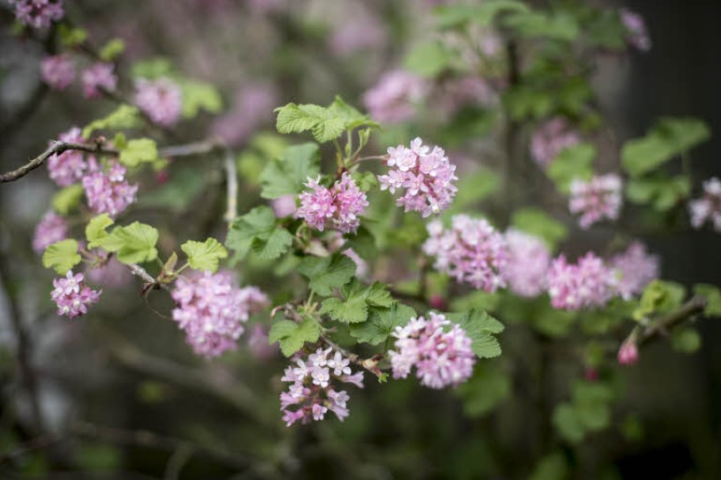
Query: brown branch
[687,311]
[151,283]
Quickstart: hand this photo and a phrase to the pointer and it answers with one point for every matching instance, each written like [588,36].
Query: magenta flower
[472,251]
[99,78]
[636,269]
[426,176]
[587,284]
[161,100]
[58,71]
[212,310]
[597,199]
[442,356]
[38,13]
[636,31]
[708,207]
[393,99]
[311,387]
[52,228]
[68,167]
[106,189]
[628,353]
[528,263]
[72,295]
[337,207]
[552,137]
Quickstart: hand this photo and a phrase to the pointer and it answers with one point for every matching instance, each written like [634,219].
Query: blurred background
[120,395]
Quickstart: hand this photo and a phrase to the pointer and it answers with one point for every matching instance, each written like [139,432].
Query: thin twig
[687,311]
[231,173]
[152,283]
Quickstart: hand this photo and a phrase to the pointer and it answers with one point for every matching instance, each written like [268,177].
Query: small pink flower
[107,190]
[552,137]
[587,284]
[52,228]
[338,207]
[38,13]
[68,167]
[708,207]
[72,295]
[628,353]
[284,206]
[636,31]
[98,78]
[212,310]
[528,263]
[472,251]
[441,353]
[161,100]
[636,269]
[426,175]
[597,199]
[58,71]
[394,98]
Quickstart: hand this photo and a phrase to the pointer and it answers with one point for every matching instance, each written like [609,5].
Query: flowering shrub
[282,258]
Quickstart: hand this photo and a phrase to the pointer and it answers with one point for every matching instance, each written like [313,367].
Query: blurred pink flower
[58,71]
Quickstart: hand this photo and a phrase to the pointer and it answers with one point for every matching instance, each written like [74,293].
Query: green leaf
[480,328]
[551,467]
[591,402]
[428,59]
[712,294]
[325,124]
[67,199]
[287,174]
[572,163]
[475,187]
[452,16]
[123,118]
[685,340]
[132,244]
[153,68]
[606,31]
[62,256]
[483,392]
[659,297]
[95,230]
[661,191]
[559,26]
[257,230]
[353,308]
[381,323]
[568,424]
[111,50]
[71,37]
[538,223]
[292,336]
[667,139]
[139,151]
[204,255]
[199,96]
[279,241]
[327,273]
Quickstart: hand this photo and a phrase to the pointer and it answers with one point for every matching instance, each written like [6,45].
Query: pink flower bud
[437,302]
[628,354]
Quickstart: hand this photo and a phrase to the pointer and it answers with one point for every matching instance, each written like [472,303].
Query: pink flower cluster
[106,189]
[708,207]
[52,228]
[426,175]
[161,100]
[597,199]
[587,284]
[312,389]
[528,263]
[550,138]
[38,13]
[636,31]
[337,207]
[467,91]
[251,109]
[98,78]
[364,33]
[636,269]
[68,167]
[211,309]
[394,98]
[472,251]
[58,71]
[72,295]
[442,356]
